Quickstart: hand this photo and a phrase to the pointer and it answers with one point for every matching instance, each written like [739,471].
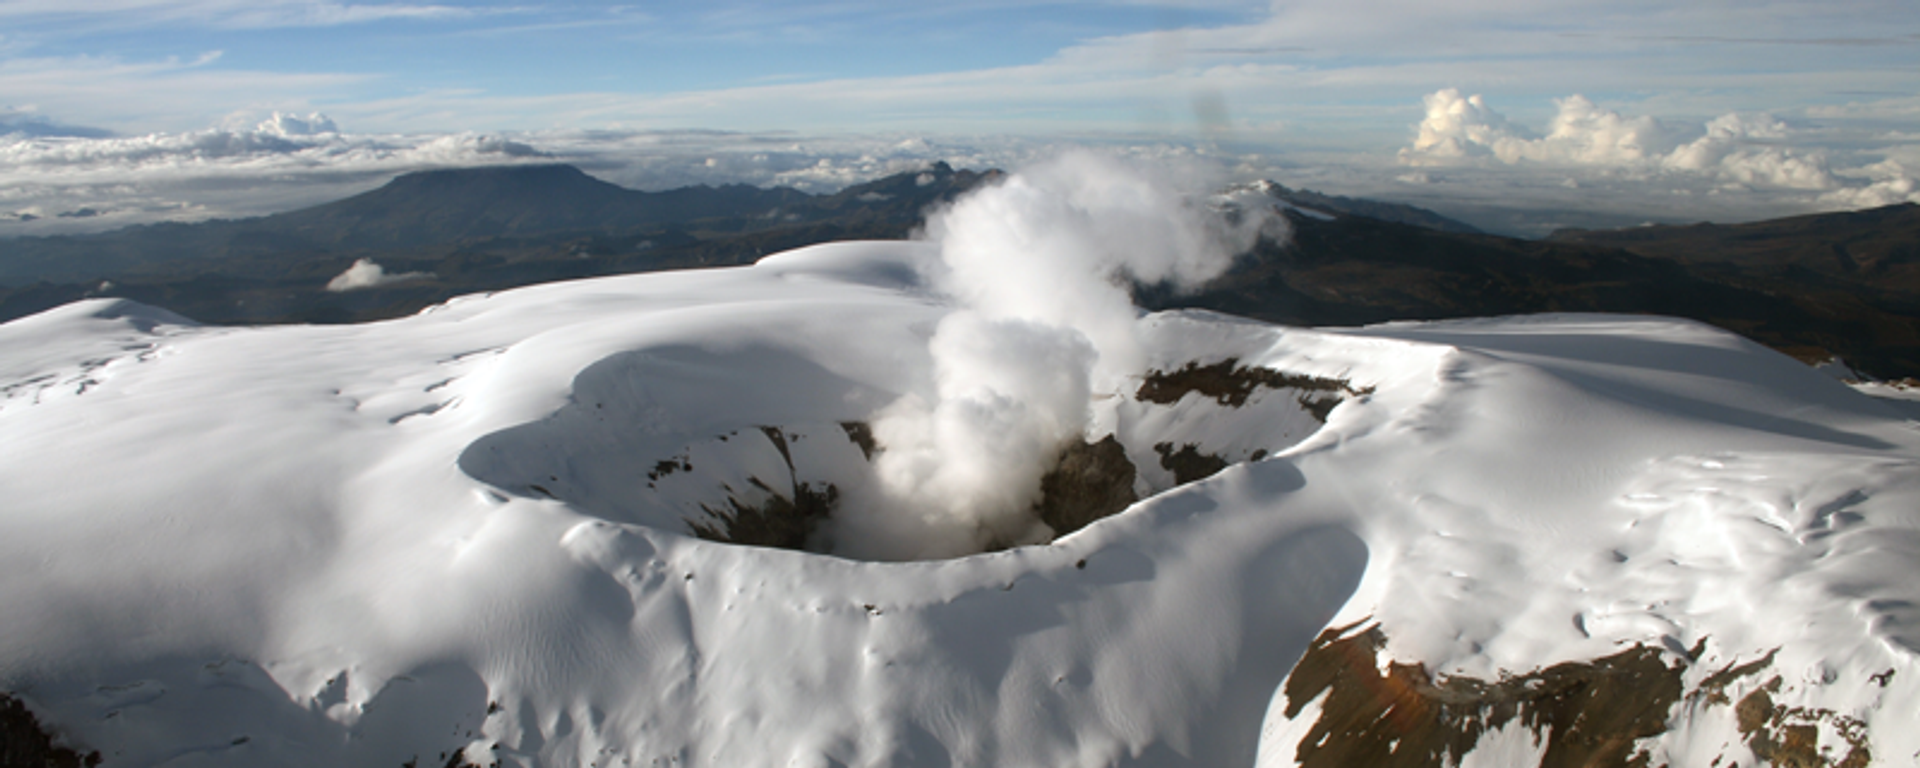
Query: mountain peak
[544,175]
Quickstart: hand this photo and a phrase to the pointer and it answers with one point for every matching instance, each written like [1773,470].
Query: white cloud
[1591,165]
[1755,150]
[1892,184]
[283,124]
[367,274]
[1459,127]
[1323,70]
[71,184]
[1584,133]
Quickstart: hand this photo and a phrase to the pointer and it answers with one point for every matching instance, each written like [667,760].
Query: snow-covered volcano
[946,502]
[468,535]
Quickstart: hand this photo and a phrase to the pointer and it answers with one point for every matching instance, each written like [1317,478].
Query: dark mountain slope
[419,213]
[414,210]
[1875,252]
[467,230]
[1783,283]
[1354,270]
[1398,213]
[435,207]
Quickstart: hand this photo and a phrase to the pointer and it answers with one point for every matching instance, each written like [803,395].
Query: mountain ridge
[462,231]
[455,204]
[451,206]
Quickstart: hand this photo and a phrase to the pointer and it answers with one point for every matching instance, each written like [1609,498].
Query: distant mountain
[443,206]
[460,231]
[1855,273]
[413,210]
[1353,270]
[1398,213]
[1876,250]
[1815,286]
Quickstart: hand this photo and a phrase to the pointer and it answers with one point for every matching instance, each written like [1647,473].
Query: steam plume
[1038,267]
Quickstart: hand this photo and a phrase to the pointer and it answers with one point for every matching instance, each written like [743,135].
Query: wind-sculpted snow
[325,545]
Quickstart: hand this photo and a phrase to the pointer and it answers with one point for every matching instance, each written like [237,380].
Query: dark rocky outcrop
[1586,713]
[1589,713]
[1230,384]
[1091,481]
[1188,464]
[782,521]
[25,744]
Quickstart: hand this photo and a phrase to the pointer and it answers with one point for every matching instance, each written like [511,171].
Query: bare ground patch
[25,744]
[1230,384]
[1589,713]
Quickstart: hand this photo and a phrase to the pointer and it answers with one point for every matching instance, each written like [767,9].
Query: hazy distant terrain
[1843,284]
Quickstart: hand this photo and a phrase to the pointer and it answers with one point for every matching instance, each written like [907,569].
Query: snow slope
[369,545]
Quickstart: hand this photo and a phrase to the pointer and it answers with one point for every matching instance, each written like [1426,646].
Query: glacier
[432,540]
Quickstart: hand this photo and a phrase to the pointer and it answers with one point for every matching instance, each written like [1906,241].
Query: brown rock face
[1589,713]
[1092,481]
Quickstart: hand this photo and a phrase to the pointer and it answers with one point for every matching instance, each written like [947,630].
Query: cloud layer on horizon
[1589,166]
[1733,152]
[1328,73]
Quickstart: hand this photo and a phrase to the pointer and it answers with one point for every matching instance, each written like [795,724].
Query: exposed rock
[1789,737]
[24,744]
[457,760]
[1587,713]
[665,467]
[783,520]
[861,434]
[1230,384]
[1188,464]
[1092,481]
[779,522]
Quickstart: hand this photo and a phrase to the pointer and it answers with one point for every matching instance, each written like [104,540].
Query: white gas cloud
[1037,266]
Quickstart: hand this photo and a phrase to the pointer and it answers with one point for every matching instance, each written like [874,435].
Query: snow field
[322,545]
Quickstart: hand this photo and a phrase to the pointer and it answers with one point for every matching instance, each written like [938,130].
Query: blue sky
[457,66]
[1816,102]
[1317,68]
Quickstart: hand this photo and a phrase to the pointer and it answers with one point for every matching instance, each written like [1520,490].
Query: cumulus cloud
[1037,266]
[1458,127]
[1748,149]
[1735,150]
[284,124]
[1599,166]
[1891,183]
[367,274]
